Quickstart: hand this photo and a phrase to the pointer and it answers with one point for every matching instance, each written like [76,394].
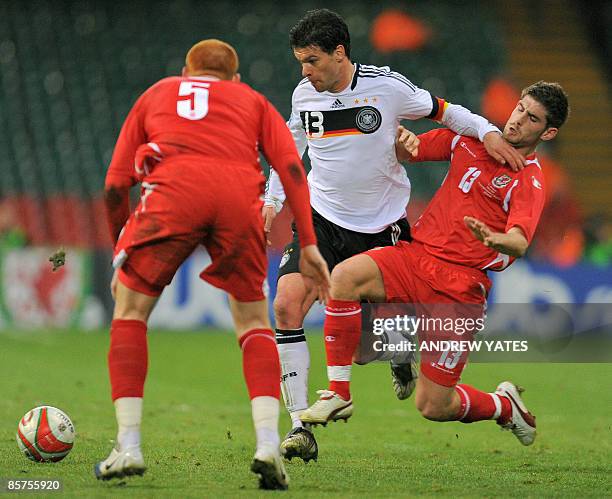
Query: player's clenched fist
[406,144]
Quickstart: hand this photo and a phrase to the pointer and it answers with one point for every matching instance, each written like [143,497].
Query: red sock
[477,405]
[342,331]
[127,358]
[260,363]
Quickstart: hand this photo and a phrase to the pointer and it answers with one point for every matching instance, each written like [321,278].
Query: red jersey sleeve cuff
[308,240]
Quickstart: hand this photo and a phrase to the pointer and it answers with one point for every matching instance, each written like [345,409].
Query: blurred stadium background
[70,70]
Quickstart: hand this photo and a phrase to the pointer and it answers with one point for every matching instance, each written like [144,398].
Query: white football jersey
[355,179]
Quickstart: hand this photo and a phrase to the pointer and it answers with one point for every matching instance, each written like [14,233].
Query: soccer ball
[45,434]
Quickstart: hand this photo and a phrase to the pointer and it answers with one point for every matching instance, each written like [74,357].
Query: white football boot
[329,407]
[121,463]
[521,423]
[268,464]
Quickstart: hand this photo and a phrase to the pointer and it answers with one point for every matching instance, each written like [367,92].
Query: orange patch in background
[394,30]
[499,100]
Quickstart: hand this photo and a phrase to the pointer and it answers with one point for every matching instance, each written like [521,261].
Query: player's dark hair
[322,28]
[553,98]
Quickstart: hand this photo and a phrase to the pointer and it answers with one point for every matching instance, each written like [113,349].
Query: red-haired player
[192,141]
[482,217]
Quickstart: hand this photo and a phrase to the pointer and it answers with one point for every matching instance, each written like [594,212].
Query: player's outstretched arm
[435,145]
[464,122]
[513,242]
[415,103]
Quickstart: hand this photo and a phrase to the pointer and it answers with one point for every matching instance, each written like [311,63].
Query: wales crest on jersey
[501,181]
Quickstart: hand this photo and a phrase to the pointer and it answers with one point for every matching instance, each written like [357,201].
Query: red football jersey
[213,121]
[478,186]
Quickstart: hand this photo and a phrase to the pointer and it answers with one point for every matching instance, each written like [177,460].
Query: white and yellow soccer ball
[45,434]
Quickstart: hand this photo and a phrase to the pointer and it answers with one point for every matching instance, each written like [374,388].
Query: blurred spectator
[598,239]
[559,238]
[499,100]
[393,30]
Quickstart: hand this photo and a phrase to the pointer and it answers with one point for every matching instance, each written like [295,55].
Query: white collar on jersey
[352,83]
[533,160]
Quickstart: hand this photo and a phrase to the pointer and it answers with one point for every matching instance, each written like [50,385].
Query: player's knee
[287,311]
[133,304]
[131,313]
[249,315]
[132,309]
[344,282]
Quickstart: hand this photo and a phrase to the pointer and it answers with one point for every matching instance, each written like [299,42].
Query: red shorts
[186,203]
[449,298]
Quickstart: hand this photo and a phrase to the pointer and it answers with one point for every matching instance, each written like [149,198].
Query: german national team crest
[368,119]
[285,258]
[501,181]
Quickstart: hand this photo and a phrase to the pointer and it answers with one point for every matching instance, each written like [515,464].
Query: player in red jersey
[482,217]
[192,142]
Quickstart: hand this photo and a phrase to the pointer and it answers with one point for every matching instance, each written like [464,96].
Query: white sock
[265,419]
[295,363]
[296,422]
[128,411]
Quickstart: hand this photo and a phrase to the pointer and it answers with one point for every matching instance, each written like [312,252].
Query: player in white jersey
[347,115]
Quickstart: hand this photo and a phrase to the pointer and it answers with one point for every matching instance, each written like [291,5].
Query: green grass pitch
[198,436]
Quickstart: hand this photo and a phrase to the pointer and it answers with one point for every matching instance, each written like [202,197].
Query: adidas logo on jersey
[337,104]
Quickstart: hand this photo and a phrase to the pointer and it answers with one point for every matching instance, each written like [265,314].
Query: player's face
[323,70]
[527,124]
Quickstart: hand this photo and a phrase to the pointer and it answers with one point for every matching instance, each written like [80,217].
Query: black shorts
[336,243]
